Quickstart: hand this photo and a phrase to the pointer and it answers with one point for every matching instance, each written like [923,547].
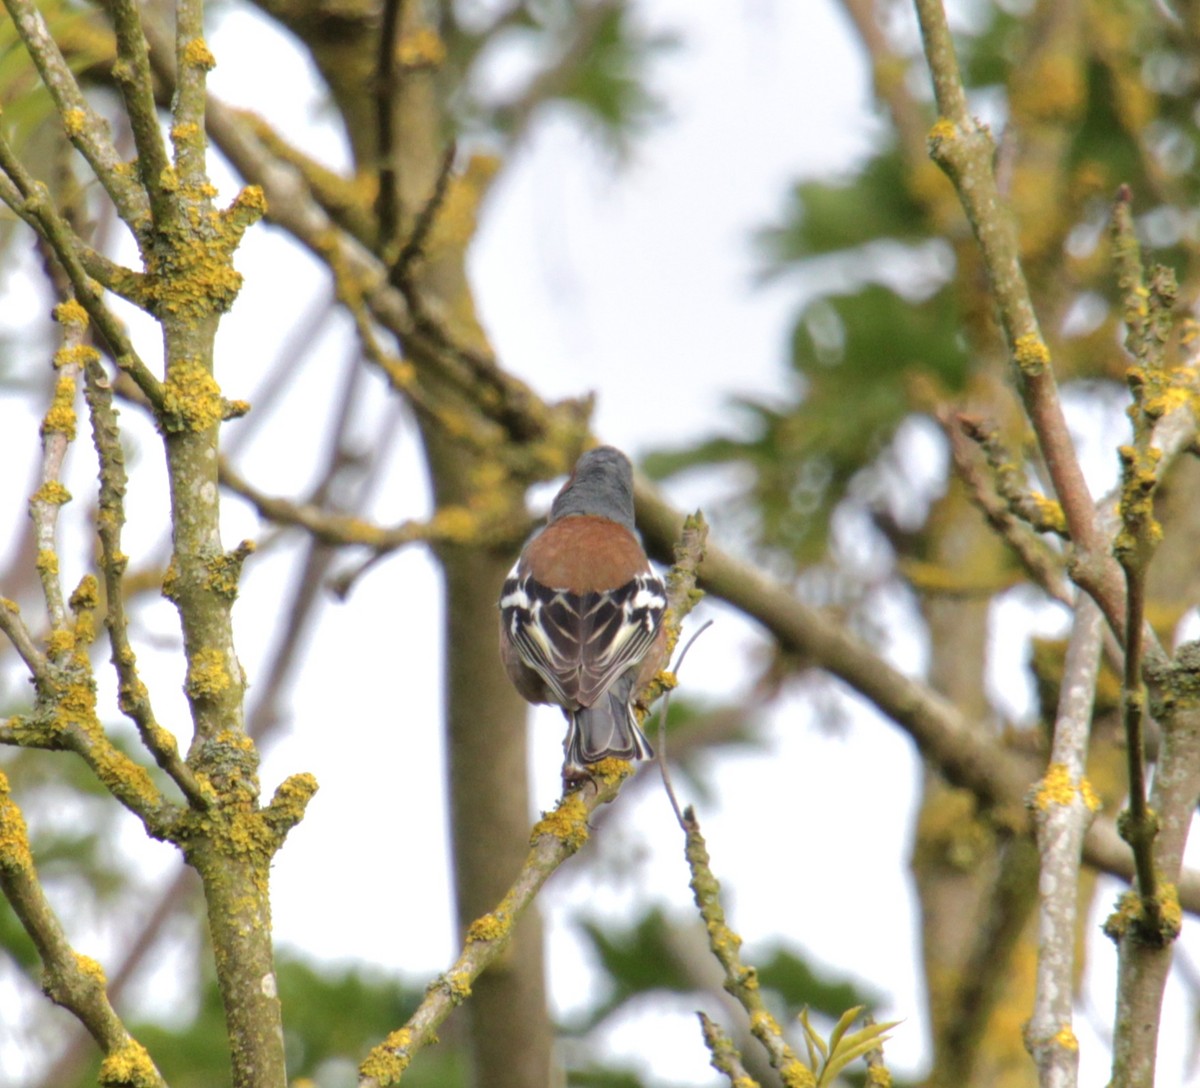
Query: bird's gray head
[601,485]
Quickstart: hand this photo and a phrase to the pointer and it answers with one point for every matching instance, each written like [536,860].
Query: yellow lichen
[224,572]
[60,642]
[764,1025]
[197,54]
[389,1059]
[421,49]
[71,312]
[611,771]
[944,130]
[183,132]
[1050,516]
[52,493]
[84,631]
[1031,354]
[458,986]
[1065,1038]
[129,1066]
[456,524]
[567,823]
[1170,910]
[207,676]
[455,223]
[400,373]
[795,1074]
[87,593]
[46,562]
[191,398]
[1175,396]
[91,968]
[76,355]
[879,1077]
[60,416]
[251,199]
[74,122]
[14,837]
[1056,788]
[487,927]
[1089,795]
[292,797]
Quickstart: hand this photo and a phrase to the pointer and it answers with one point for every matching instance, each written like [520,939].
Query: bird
[581,615]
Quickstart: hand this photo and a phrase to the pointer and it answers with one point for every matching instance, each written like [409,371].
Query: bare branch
[132,696]
[70,979]
[725,1058]
[1063,807]
[964,149]
[85,128]
[740,980]
[555,838]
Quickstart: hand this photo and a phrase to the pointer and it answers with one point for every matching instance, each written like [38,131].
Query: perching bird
[581,614]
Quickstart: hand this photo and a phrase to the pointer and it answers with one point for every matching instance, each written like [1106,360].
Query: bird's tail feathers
[607,730]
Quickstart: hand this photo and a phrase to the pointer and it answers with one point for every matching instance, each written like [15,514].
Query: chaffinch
[581,614]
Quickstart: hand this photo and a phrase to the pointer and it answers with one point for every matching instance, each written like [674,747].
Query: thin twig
[964,149]
[85,128]
[967,756]
[725,1058]
[132,74]
[33,204]
[58,432]
[132,695]
[740,980]
[664,770]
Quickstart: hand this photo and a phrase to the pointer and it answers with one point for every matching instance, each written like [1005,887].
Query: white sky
[637,284]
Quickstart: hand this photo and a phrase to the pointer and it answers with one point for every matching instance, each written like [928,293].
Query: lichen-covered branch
[555,838]
[1004,510]
[1063,806]
[452,525]
[740,980]
[58,431]
[69,979]
[84,127]
[725,1058]
[965,150]
[965,756]
[1145,939]
[132,696]
[31,201]
[131,72]
[1147,310]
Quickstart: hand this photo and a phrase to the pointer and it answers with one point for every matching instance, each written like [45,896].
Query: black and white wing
[579,643]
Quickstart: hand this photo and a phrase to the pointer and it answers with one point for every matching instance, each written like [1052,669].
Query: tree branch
[85,128]
[71,980]
[1063,807]
[555,838]
[964,149]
